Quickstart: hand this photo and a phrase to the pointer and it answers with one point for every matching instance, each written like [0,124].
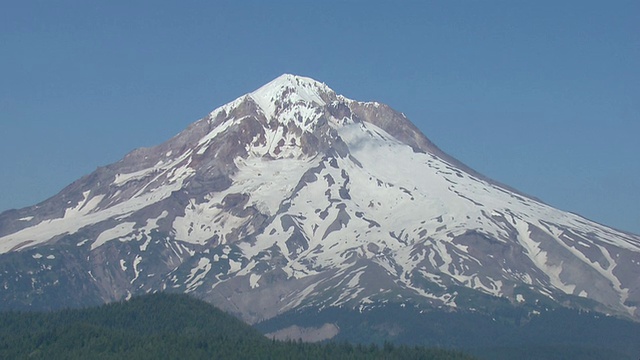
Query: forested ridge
[169,326]
[502,333]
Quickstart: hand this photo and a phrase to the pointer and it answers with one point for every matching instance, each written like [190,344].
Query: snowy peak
[295,196]
[290,90]
[305,113]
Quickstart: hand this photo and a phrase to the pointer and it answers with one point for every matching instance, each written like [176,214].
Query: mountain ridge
[293,196]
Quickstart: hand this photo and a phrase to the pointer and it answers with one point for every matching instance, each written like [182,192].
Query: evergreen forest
[170,326]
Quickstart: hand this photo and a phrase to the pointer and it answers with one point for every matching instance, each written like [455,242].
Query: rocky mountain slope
[293,197]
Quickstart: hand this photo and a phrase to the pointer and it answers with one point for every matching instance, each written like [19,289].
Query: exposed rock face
[293,196]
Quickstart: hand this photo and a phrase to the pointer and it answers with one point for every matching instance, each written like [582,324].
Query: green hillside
[168,326]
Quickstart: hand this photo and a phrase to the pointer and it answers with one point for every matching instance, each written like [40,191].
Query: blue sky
[543,96]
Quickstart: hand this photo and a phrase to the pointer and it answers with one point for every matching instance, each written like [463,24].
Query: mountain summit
[293,197]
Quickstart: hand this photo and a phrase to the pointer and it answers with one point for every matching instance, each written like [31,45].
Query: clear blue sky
[543,96]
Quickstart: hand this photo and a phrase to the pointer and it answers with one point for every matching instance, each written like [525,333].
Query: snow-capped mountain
[293,196]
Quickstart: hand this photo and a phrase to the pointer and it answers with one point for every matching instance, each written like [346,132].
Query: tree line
[170,326]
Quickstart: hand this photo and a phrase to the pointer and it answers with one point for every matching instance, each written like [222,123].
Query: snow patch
[122,179]
[540,259]
[81,216]
[234,266]
[136,271]
[82,242]
[113,233]
[197,274]
[253,280]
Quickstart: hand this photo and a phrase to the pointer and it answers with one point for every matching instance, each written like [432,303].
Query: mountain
[293,197]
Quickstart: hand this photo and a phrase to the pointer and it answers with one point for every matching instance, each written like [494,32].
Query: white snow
[82,242]
[253,280]
[136,271]
[269,182]
[449,203]
[80,216]
[85,206]
[122,179]
[304,90]
[197,274]
[540,259]
[204,143]
[234,266]
[202,221]
[120,230]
